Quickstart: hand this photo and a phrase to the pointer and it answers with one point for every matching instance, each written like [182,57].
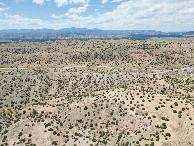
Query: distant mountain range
[190,33]
[79,30]
[84,33]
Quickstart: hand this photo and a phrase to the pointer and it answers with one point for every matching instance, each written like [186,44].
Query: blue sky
[164,15]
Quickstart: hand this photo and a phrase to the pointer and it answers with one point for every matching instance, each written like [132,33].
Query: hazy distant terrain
[97,92]
[85,34]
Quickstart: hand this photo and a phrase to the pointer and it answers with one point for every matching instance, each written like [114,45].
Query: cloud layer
[17,22]
[165,15]
[40,2]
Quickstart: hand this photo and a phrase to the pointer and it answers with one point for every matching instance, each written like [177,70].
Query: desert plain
[97,92]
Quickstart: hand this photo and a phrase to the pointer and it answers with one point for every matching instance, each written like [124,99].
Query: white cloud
[40,2]
[2,4]
[116,1]
[65,2]
[78,1]
[17,22]
[104,1]
[61,2]
[79,9]
[4,9]
[187,11]
[57,17]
